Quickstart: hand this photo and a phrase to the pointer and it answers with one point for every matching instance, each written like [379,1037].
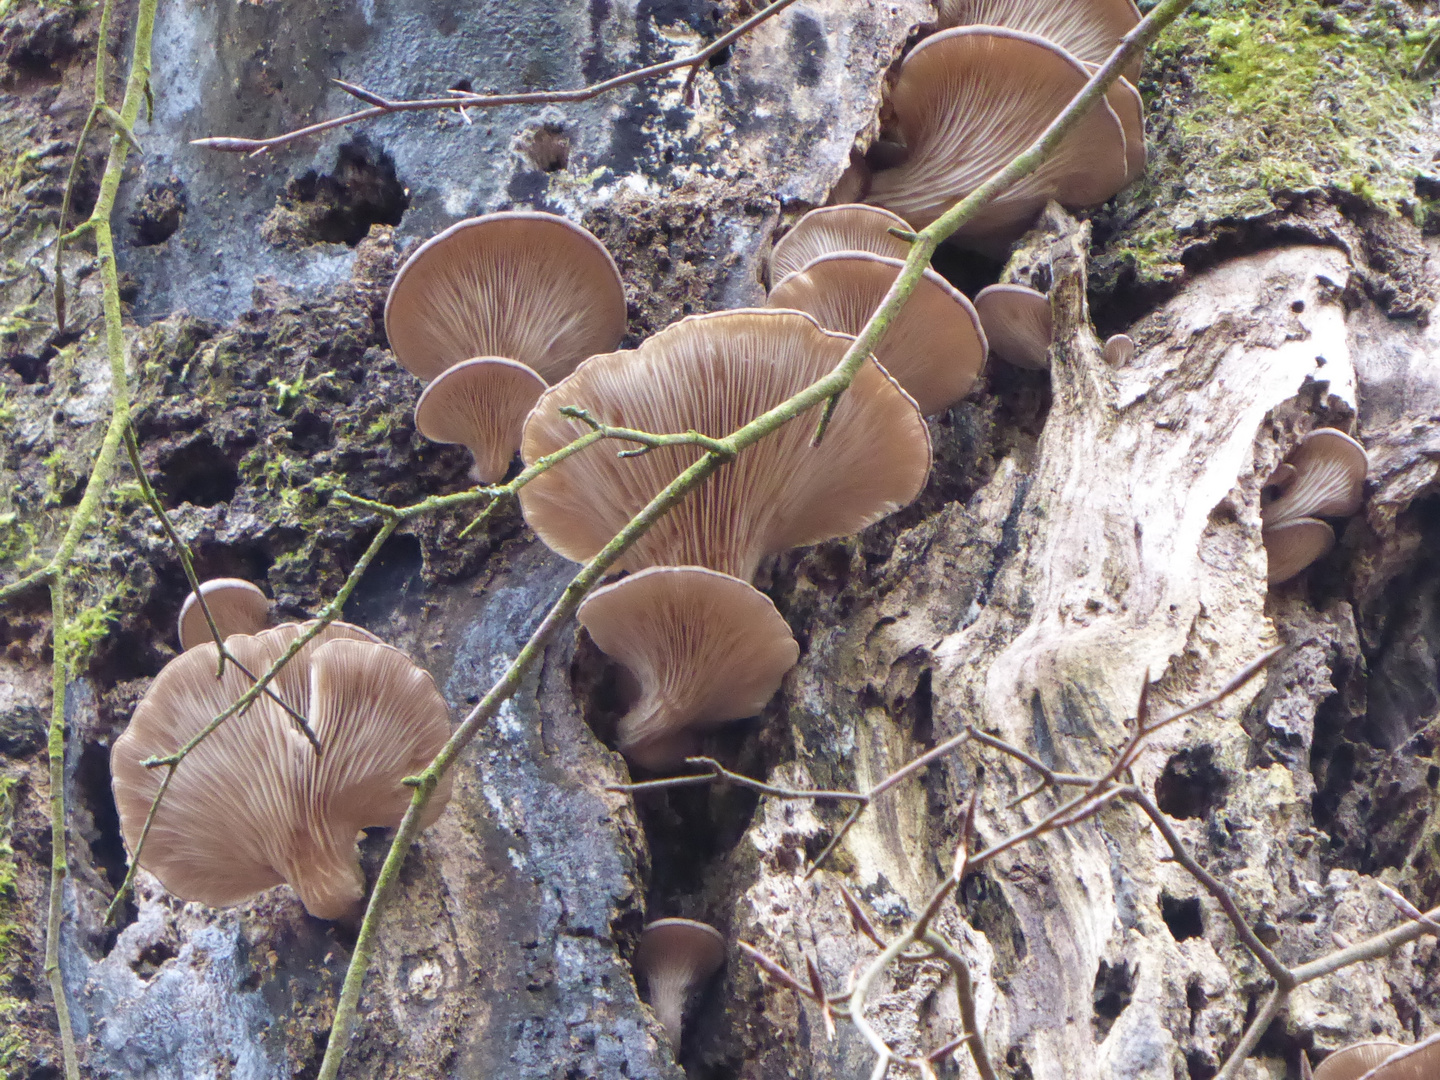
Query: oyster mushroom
[967,101]
[253,805]
[706,648]
[237,607]
[527,286]
[481,404]
[848,227]
[1089,29]
[675,958]
[1016,319]
[713,374]
[935,346]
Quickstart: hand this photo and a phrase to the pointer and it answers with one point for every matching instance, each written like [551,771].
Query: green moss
[13,1047]
[1248,100]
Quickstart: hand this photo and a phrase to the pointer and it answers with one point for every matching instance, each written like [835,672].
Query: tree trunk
[1087,532]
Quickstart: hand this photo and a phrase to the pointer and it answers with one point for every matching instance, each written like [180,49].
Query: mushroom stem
[668,991]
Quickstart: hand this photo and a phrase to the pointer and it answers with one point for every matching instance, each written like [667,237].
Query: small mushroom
[967,101]
[237,607]
[675,958]
[1016,319]
[527,286]
[713,374]
[253,805]
[482,404]
[1090,29]
[934,348]
[1329,479]
[1356,1060]
[706,648]
[1119,350]
[848,227]
[1293,545]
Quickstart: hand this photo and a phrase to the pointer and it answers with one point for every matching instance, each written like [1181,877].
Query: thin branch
[1278,971]
[187,563]
[381,106]
[1258,1026]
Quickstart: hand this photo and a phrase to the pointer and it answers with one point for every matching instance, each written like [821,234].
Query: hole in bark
[1191,786]
[198,473]
[339,207]
[92,779]
[922,710]
[1184,918]
[1199,1066]
[152,958]
[158,213]
[31,369]
[391,577]
[309,433]
[1114,987]
[548,148]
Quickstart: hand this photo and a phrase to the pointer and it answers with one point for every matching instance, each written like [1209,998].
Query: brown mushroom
[1328,481]
[237,607]
[966,102]
[675,958]
[1089,29]
[1016,319]
[253,805]
[1119,350]
[934,348]
[482,404]
[713,374]
[1293,545]
[1354,1061]
[848,227]
[706,648]
[527,286]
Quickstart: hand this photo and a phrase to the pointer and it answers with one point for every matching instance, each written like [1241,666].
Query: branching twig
[381,106]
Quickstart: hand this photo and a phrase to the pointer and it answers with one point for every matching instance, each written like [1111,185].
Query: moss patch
[1248,101]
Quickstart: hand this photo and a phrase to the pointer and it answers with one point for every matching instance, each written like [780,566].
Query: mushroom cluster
[489,312]
[255,805]
[970,98]
[1324,477]
[703,644]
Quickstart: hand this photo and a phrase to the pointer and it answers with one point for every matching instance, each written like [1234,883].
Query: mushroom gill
[713,374]
[966,102]
[705,648]
[253,806]
[1016,319]
[848,227]
[528,286]
[1089,29]
[481,404]
[934,348]
[676,957]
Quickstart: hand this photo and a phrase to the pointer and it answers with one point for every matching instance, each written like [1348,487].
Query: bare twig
[381,106]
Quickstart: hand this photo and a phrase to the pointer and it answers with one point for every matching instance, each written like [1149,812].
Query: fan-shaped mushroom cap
[713,374]
[253,806]
[848,227]
[1329,479]
[934,348]
[705,647]
[675,957]
[481,403]
[1016,319]
[523,285]
[1356,1060]
[1090,29]
[1294,545]
[967,101]
[237,607]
